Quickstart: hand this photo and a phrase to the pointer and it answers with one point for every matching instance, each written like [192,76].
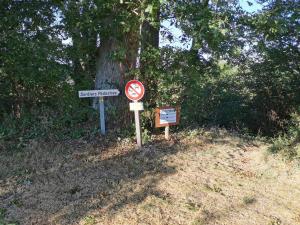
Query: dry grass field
[197,178]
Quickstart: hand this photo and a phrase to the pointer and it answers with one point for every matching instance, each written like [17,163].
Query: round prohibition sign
[134,90]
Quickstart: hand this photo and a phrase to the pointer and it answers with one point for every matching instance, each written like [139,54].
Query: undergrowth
[288,144]
[73,124]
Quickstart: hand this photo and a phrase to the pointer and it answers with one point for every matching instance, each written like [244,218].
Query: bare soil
[197,178]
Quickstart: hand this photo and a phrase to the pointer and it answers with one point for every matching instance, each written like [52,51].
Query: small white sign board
[98,93]
[136,106]
[167,116]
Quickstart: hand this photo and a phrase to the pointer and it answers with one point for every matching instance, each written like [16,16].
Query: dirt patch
[197,178]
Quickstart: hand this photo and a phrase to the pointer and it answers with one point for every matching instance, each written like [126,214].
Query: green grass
[192,206]
[89,220]
[2,215]
[248,200]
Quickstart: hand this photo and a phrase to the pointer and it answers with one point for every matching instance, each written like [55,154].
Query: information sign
[166,116]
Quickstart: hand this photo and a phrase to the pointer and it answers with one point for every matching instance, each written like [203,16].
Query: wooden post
[138,128]
[102,115]
[167,132]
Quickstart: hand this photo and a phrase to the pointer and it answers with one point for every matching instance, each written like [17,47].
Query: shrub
[288,143]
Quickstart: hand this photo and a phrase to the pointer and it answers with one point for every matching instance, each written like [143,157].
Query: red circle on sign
[134,90]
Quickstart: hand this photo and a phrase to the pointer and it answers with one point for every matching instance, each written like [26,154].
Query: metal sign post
[101,94]
[102,115]
[135,90]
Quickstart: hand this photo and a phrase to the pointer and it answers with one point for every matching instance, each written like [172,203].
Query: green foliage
[287,143]
[146,136]
[241,70]
[89,220]
[2,217]
[2,214]
[30,70]
[248,200]
[68,121]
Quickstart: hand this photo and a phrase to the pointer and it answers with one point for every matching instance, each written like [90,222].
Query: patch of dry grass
[199,177]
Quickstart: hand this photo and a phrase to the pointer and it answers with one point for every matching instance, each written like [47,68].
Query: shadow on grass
[64,188]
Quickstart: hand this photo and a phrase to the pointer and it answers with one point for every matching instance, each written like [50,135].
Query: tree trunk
[108,70]
[110,74]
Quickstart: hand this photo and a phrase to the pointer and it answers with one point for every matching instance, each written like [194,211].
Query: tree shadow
[104,179]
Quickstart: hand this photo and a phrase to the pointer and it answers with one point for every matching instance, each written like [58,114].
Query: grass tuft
[248,200]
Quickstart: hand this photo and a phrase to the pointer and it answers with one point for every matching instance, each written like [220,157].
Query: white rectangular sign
[136,106]
[167,116]
[98,93]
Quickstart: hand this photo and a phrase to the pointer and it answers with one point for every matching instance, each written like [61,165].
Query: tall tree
[31,67]
[79,20]
[149,50]
[273,72]
[117,54]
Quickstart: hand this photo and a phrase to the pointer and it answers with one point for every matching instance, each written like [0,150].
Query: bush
[288,144]
[67,121]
